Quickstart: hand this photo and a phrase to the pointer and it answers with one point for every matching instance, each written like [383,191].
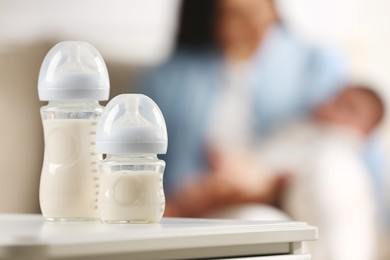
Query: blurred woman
[236,74]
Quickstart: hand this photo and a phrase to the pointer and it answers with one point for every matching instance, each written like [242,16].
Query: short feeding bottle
[131,133]
[73,78]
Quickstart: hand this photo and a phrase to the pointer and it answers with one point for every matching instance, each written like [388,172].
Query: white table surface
[30,237]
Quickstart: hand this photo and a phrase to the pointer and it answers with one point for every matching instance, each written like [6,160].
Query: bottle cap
[132,123]
[73,70]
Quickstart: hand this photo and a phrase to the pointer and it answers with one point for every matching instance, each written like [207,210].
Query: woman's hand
[233,178]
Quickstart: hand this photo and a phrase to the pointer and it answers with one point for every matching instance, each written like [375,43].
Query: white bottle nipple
[132,123]
[73,70]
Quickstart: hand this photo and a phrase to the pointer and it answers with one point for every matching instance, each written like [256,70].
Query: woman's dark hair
[196,29]
[196,24]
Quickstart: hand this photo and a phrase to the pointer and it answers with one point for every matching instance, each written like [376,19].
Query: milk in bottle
[131,132]
[73,78]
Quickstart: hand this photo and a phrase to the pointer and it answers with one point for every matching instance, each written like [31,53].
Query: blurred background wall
[132,34]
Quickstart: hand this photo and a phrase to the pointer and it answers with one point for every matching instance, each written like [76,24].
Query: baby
[346,120]
[356,107]
[330,185]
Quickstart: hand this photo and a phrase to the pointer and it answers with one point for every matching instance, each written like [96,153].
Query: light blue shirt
[287,77]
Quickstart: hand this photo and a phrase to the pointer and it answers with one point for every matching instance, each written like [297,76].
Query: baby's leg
[333,192]
[250,211]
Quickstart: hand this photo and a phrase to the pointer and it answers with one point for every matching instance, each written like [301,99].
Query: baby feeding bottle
[131,133]
[73,78]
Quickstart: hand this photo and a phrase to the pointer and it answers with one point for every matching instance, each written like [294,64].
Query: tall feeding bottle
[131,133]
[73,78]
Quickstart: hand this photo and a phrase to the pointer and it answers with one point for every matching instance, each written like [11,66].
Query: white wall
[127,30]
[360,28]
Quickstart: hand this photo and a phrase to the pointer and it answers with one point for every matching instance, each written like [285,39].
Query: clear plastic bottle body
[70,181]
[131,189]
